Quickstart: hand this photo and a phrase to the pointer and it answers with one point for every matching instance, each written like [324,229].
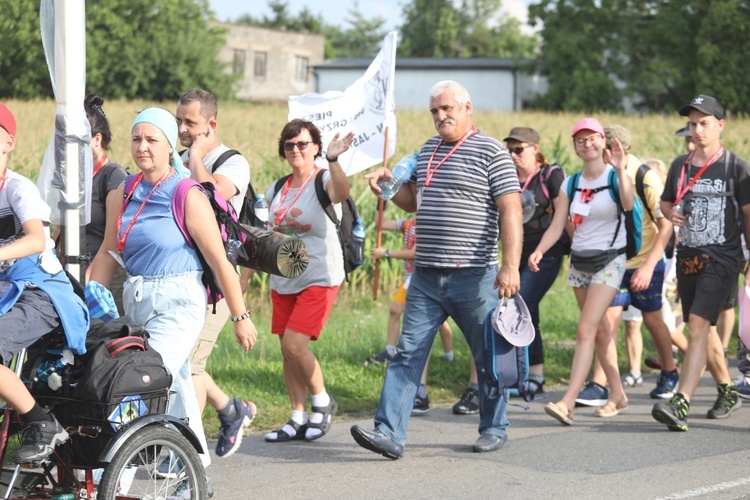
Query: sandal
[612,409]
[560,412]
[281,434]
[325,425]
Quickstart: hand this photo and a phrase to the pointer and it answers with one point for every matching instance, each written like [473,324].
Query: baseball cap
[7,120]
[523,134]
[618,132]
[588,124]
[704,104]
[684,131]
[512,319]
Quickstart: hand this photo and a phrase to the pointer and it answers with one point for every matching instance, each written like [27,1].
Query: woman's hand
[534,259]
[616,156]
[338,146]
[377,253]
[246,333]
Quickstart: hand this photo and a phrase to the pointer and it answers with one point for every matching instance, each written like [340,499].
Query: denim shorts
[648,300]
[611,275]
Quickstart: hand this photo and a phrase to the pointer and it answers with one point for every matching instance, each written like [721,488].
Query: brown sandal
[612,409]
[560,412]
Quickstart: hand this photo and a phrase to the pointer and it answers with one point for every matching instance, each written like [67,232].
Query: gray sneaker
[38,440]
[726,403]
[743,387]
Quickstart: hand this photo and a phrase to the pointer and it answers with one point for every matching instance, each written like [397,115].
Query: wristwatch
[237,319]
[388,254]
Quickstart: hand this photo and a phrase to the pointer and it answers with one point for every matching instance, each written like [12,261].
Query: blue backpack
[506,366]
[633,218]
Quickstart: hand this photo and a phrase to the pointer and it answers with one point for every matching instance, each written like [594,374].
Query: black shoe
[489,442]
[421,405]
[726,403]
[39,440]
[377,442]
[674,413]
[468,404]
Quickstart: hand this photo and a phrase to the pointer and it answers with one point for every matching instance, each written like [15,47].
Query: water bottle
[401,173]
[358,235]
[261,212]
[233,250]
[49,371]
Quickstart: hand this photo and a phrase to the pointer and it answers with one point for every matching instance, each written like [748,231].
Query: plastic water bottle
[401,173]
[358,235]
[233,250]
[49,371]
[261,212]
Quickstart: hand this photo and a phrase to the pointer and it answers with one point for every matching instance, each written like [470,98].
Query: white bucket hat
[512,319]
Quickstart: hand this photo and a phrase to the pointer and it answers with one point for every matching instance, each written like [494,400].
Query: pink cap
[588,124]
[7,121]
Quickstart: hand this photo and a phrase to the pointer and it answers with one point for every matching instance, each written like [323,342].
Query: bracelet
[332,160]
[237,319]
[388,254]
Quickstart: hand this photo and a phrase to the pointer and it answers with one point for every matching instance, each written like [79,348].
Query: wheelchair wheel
[133,470]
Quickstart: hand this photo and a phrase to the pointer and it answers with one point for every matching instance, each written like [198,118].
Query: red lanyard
[100,164]
[121,239]
[528,180]
[430,170]
[682,192]
[2,179]
[279,214]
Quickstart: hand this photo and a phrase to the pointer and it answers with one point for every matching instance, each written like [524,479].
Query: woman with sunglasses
[542,181]
[595,217]
[301,306]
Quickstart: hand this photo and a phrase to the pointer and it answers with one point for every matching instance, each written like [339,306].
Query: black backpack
[349,214]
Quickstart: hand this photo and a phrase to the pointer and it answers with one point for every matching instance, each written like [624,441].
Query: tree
[430,29]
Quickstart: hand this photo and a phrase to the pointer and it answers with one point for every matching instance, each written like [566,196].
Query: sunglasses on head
[301,145]
[519,149]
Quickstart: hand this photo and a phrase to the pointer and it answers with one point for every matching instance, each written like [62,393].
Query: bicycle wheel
[132,472]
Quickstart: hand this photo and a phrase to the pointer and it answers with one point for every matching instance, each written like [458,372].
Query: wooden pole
[379,224]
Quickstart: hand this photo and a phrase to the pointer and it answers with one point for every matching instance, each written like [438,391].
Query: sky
[335,13]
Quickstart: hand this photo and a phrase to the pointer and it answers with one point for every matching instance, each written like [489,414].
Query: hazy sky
[335,11]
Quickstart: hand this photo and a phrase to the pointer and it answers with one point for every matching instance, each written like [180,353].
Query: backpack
[226,218]
[505,365]
[633,218]
[349,214]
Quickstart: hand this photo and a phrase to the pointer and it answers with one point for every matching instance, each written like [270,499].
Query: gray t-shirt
[236,169]
[306,219]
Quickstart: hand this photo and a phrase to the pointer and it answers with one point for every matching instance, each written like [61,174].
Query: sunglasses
[301,145]
[519,149]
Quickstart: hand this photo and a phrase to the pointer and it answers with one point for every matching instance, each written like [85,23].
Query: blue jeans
[466,295]
[533,287]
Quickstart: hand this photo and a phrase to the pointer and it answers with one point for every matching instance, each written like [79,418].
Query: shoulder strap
[178,206]
[224,157]
[640,188]
[129,185]
[277,187]
[325,200]
[573,186]
[614,191]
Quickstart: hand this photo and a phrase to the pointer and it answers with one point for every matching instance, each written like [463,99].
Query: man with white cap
[707,195]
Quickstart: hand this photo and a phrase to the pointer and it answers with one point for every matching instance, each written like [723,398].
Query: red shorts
[305,312]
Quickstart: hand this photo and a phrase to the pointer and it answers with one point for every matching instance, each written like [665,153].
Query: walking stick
[379,224]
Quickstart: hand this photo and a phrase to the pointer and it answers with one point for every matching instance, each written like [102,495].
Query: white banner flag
[366,108]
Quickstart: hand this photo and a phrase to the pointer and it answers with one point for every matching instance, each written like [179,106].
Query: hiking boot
[38,440]
[170,468]
[592,394]
[726,402]
[468,404]
[743,387]
[665,385]
[230,432]
[632,380]
[674,413]
[378,359]
[421,405]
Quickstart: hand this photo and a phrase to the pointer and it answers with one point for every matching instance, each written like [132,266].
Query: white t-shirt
[599,216]
[235,168]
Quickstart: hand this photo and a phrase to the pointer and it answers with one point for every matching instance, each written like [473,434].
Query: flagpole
[379,241]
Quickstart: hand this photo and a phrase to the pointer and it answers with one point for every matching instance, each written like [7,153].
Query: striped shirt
[457,219]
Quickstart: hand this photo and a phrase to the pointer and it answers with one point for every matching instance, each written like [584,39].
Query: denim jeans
[173,310]
[533,287]
[466,295]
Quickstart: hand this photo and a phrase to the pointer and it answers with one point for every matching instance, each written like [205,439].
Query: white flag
[366,108]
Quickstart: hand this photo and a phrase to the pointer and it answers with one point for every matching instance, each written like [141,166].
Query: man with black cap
[707,195]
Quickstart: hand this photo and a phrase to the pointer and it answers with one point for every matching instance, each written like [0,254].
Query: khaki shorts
[611,275]
[209,334]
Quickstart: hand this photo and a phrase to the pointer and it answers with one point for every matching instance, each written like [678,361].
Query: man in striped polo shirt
[463,179]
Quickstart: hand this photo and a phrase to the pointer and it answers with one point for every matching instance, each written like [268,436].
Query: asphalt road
[630,456]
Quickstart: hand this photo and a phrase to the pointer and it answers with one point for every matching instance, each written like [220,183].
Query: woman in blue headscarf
[163,290]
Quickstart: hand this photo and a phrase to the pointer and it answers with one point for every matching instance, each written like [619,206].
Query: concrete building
[494,84]
[273,64]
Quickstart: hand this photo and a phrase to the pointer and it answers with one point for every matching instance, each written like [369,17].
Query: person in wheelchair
[36,297]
